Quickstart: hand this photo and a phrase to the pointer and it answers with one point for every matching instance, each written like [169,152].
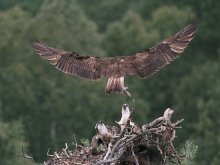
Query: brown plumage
[144,63]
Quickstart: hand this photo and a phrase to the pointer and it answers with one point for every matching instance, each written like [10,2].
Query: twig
[65,150]
[175,153]
[77,163]
[110,160]
[108,151]
[66,163]
[128,141]
[178,122]
[115,146]
[133,154]
[55,153]
[78,145]
[106,161]
[48,153]
[26,156]
[158,147]
[152,124]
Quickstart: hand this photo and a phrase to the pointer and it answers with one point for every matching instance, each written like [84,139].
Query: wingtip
[35,44]
[197,16]
[29,35]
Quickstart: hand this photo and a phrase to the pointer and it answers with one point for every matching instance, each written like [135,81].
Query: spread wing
[150,61]
[70,62]
[143,63]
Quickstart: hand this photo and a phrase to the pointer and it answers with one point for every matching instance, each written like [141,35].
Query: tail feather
[116,84]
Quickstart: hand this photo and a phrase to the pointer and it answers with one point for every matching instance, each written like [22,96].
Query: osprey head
[124,106]
[98,123]
[125,111]
[101,128]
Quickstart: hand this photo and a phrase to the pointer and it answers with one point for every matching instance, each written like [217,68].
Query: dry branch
[127,143]
[26,156]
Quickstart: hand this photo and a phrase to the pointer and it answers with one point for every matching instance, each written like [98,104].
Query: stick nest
[126,143]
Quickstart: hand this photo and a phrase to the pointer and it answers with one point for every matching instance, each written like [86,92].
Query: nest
[125,144]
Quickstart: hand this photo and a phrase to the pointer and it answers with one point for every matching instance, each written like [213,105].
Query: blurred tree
[209,36]
[11,142]
[12,80]
[189,151]
[63,23]
[128,35]
[145,8]
[168,23]
[27,5]
[197,100]
[106,12]
[52,106]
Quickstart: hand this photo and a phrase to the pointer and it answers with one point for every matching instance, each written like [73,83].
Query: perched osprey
[125,115]
[126,121]
[143,64]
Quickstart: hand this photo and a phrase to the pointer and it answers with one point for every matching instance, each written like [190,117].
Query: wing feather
[143,64]
[150,61]
[70,62]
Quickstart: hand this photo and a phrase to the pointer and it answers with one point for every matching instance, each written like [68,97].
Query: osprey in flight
[143,64]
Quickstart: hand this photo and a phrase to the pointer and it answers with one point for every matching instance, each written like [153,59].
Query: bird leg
[116,84]
[124,89]
[126,92]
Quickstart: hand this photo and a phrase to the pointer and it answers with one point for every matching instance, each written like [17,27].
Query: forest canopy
[42,108]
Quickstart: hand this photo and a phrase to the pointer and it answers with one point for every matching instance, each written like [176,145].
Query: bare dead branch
[56,155]
[157,121]
[48,153]
[77,145]
[65,150]
[133,154]
[108,151]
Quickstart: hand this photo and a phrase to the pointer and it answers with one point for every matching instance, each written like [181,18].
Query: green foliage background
[42,108]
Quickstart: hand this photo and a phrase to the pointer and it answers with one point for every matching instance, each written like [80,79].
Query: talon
[126,92]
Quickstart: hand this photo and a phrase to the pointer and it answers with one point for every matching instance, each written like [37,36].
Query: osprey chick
[125,115]
[103,131]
